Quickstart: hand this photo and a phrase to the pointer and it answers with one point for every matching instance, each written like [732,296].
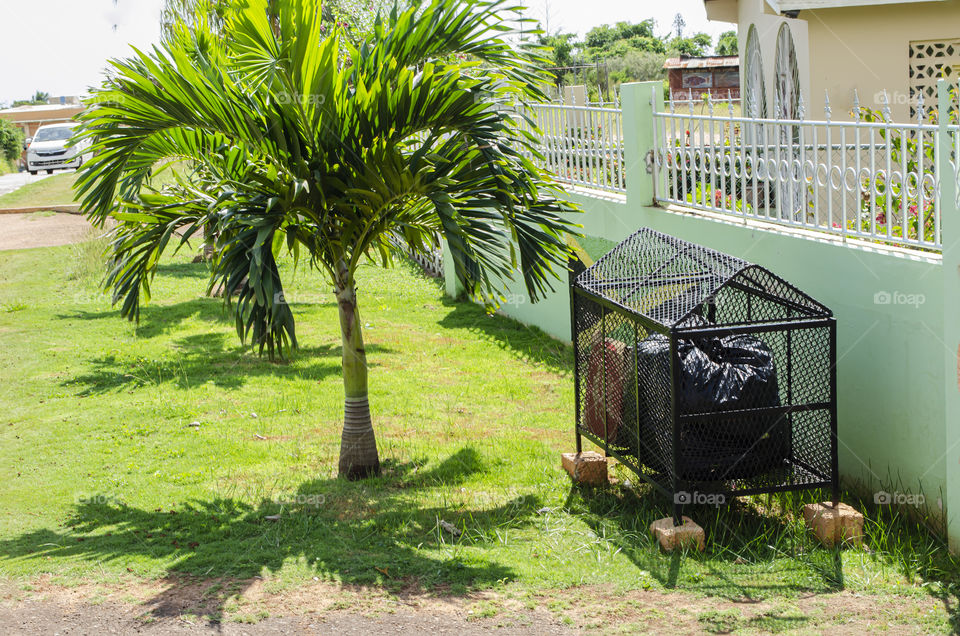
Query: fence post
[950,233]
[638,139]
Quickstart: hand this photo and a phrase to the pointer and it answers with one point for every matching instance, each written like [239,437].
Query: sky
[61,46]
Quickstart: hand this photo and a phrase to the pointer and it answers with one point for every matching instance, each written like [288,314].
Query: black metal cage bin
[703,373]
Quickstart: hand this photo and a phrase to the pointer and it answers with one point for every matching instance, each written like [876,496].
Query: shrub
[11,141]
[636,66]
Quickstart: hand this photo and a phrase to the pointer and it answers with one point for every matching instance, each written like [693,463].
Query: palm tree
[308,146]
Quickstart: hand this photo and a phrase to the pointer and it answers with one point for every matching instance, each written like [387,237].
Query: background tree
[636,66]
[559,48]
[38,98]
[695,46]
[727,44]
[605,42]
[312,148]
[610,55]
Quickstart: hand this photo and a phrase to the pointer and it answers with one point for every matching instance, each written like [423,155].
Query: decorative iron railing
[581,145]
[955,162]
[868,178]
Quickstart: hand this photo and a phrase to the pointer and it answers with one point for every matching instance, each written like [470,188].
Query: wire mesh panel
[703,372]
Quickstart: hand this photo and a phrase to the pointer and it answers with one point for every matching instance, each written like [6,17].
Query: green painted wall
[890,368]
[950,292]
[896,359]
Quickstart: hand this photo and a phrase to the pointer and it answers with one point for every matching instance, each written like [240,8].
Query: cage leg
[677,514]
[579,440]
[834,432]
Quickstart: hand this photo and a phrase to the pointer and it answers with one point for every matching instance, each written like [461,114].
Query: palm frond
[300,143]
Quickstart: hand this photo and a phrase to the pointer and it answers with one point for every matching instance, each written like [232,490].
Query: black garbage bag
[735,373]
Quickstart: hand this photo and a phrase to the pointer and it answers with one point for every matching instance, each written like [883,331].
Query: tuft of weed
[89,257]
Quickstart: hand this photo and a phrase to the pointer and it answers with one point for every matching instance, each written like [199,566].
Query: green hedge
[7,166]
[11,141]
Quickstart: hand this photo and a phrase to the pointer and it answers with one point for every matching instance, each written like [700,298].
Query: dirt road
[42,229]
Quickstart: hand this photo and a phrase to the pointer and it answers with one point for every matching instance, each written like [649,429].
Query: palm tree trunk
[208,241]
[358,445]
[207,254]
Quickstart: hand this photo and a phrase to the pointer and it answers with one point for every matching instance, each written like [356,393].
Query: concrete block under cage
[586,467]
[671,536]
[840,525]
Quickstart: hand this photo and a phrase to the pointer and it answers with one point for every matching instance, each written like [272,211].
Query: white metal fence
[582,145]
[432,263]
[956,154]
[869,178]
[721,97]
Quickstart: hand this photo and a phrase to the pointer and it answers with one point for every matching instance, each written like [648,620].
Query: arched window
[754,92]
[787,77]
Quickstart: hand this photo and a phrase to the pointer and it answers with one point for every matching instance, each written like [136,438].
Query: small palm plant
[303,145]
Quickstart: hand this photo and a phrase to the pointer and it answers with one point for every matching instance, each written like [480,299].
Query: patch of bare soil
[841,613]
[183,605]
[20,231]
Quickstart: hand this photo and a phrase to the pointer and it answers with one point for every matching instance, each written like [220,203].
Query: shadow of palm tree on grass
[530,344]
[357,533]
[162,319]
[216,357]
[205,358]
[157,320]
[184,270]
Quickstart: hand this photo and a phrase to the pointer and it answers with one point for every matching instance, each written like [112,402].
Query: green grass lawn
[107,479]
[56,189]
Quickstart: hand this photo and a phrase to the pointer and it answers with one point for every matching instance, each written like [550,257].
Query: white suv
[48,150]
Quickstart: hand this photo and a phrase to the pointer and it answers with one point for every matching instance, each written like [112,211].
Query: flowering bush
[911,202]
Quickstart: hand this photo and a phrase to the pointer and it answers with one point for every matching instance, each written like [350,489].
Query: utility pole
[678,24]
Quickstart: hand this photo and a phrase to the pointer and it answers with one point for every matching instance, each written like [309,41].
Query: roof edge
[800,5]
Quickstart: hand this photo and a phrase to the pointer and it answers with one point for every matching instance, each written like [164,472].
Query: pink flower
[913,210]
[882,218]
